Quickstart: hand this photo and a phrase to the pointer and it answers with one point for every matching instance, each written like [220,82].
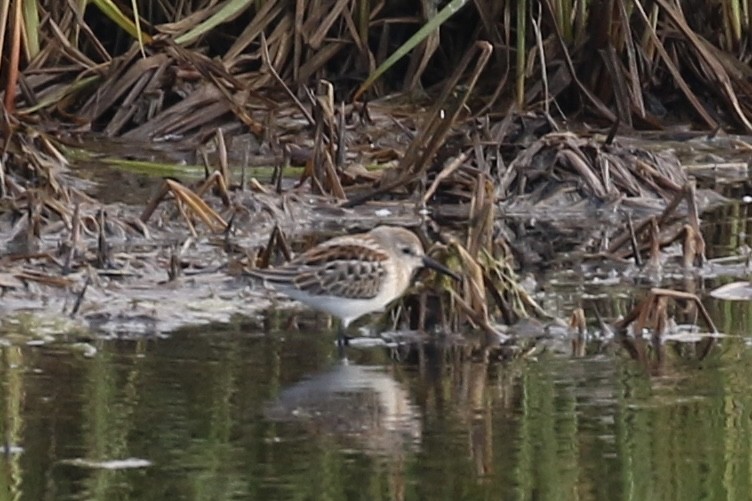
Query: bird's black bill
[435,265]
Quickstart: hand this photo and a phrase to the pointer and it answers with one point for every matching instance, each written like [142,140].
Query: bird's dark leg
[342,339]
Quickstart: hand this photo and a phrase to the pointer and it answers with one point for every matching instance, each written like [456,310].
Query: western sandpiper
[350,276]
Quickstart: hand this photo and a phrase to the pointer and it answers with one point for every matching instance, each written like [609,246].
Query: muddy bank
[147,255]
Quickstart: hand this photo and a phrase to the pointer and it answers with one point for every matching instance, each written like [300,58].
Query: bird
[353,275]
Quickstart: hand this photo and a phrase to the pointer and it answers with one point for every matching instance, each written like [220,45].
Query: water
[230,412]
[243,410]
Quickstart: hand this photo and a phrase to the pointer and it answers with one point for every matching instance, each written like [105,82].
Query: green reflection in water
[445,427]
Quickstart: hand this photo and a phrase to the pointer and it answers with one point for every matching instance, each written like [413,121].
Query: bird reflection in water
[361,406]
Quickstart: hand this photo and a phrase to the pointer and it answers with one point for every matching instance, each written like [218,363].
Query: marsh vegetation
[583,165]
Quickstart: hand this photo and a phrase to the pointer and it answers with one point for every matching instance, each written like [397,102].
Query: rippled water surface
[233,413]
[261,410]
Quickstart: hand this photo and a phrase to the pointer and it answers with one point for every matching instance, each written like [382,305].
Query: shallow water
[231,412]
[253,409]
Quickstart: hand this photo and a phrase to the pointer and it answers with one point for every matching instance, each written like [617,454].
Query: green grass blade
[521,52]
[54,97]
[229,10]
[4,14]
[31,24]
[139,33]
[109,9]
[432,25]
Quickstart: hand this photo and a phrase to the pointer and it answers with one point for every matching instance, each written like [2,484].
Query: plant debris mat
[168,261]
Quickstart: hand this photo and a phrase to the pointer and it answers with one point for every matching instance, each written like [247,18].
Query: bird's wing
[346,270]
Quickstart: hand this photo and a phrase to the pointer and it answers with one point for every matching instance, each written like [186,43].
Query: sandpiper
[350,276]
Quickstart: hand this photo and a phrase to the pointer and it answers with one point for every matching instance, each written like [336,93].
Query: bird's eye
[407,250]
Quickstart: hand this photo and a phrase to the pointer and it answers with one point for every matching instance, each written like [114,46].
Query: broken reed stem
[438,123]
